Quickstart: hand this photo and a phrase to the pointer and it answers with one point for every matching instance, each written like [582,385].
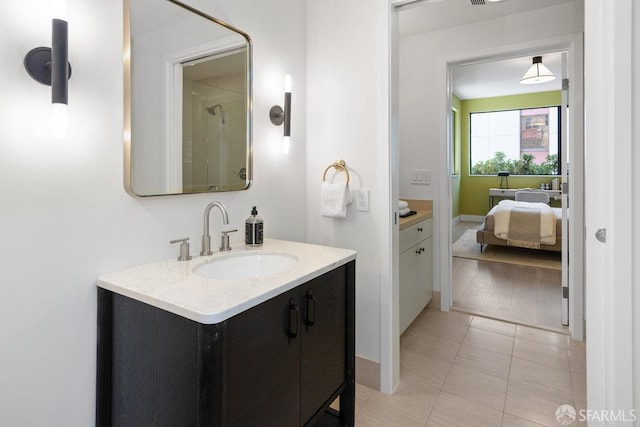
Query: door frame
[611,51]
[574,45]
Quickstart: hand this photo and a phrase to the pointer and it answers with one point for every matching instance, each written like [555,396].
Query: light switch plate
[420,176]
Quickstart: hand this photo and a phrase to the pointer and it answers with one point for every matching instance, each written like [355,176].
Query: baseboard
[434,304]
[472,218]
[368,373]
[455,220]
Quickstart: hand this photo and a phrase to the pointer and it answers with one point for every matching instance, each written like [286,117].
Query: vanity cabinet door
[416,281]
[324,340]
[262,381]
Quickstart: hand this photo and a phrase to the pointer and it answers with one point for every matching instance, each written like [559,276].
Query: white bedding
[502,213]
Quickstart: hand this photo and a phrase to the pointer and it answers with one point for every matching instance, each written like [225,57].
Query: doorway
[425,57]
[501,125]
[495,279]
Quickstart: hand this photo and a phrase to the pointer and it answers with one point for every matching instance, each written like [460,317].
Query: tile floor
[463,370]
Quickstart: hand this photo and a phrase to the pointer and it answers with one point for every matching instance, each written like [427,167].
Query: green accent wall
[474,190]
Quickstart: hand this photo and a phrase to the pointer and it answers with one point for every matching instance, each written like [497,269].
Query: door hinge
[565,188]
[565,84]
[565,292]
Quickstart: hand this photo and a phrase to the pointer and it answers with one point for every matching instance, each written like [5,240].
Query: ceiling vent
[483,2]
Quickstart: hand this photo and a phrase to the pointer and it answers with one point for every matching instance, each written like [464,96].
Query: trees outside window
[522,142]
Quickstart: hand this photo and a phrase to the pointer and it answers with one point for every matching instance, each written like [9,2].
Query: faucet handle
[184,248]
[224,240]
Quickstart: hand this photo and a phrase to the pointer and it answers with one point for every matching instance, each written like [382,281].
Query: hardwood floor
[525,295]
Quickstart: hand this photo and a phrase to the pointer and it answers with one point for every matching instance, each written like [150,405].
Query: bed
[495,231]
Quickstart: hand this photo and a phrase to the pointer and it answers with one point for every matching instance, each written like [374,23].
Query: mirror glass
[187,101]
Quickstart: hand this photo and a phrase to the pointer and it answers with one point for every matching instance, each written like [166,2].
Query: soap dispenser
[253,229]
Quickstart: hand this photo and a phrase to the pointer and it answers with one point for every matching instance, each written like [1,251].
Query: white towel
[402,204]
[404,211]
[334,199]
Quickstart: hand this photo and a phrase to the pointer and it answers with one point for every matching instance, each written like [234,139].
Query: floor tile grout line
[506,395]
[468,324]
[573,390]
[440,390]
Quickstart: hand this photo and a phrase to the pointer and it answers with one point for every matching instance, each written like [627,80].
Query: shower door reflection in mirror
[213,125]
[188,101]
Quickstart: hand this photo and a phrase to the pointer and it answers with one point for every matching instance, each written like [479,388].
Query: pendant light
[538,73]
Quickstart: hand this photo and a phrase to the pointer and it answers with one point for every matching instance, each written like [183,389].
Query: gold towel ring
[340,166]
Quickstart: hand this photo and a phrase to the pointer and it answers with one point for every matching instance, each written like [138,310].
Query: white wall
[348,63]
[64,215]
[422,89]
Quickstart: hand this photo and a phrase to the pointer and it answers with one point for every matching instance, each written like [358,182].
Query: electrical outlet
[362,204]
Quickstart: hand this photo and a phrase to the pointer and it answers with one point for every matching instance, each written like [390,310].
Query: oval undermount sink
[245,265]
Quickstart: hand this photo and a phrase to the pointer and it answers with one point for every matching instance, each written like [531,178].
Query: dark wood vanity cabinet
[281,363]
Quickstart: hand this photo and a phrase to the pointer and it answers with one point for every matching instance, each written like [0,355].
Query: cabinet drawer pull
[420,229]
[294,316]
[419,251]
[311,311]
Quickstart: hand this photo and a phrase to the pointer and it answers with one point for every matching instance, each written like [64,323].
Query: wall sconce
[279,116]
[50,66]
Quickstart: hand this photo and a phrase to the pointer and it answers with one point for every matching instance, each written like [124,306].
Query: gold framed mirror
[187,96]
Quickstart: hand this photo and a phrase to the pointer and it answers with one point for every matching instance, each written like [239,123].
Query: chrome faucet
[206,238]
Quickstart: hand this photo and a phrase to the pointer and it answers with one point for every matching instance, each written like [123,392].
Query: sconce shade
[537,73]
[278,116]
[59,62]
[287,114]
[50,66]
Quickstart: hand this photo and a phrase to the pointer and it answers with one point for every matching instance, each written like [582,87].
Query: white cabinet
[416,271]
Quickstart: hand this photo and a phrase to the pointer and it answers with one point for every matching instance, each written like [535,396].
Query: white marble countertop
[172,286]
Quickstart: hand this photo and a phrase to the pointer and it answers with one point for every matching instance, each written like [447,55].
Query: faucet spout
[206,238]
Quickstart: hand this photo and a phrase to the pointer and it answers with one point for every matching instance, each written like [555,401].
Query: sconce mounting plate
[276,114]
[38,65]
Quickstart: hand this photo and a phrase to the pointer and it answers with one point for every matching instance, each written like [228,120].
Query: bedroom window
[523,142]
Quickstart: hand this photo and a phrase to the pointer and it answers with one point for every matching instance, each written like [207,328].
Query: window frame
[559,141]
